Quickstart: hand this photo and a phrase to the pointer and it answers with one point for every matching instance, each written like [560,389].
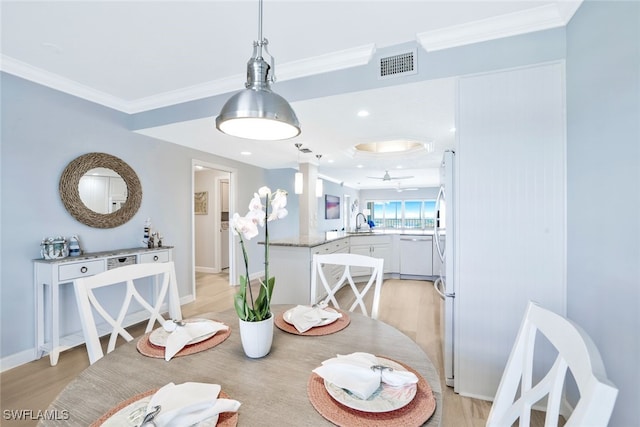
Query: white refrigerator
[445,284]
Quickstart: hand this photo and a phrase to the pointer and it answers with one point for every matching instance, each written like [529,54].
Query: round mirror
[100,190]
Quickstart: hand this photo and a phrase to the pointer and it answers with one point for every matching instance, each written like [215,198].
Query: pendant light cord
[260,41]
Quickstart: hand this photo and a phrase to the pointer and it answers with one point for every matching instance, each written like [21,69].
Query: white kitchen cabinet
[331,272]
[373,246]
[51,274]
[291,265]
[416,255]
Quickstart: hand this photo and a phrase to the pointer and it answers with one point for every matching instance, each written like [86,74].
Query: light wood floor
[410,306]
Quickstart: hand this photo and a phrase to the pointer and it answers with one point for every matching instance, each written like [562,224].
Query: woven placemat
[416,413]
[146,348]
[225,419]
[331,328]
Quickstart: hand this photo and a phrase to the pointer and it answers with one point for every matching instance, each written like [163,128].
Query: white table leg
[55,325]
[39,290]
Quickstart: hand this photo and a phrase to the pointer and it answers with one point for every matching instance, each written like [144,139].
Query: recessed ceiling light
[363,113]
[452,130]
[360,166]
[245,153]
[393,146]
[330,160]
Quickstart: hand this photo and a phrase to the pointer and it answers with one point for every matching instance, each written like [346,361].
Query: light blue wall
[603,189]
[333,189]
[42,131]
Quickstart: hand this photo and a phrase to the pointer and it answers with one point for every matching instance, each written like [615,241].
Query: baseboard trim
[17,359]
[210,270]
[26,356]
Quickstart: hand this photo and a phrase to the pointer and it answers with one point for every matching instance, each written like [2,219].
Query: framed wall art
[331,207]
[201,203]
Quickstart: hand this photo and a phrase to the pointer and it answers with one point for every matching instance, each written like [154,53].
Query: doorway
[213,190]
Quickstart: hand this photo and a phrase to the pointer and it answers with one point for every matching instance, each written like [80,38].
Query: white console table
[49,274]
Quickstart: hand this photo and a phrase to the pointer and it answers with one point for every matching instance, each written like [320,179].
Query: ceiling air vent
[402,64]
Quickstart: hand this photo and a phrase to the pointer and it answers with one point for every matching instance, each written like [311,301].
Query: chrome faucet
[363,217]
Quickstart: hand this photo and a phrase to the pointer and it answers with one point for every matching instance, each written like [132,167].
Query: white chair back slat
[165,291]
[346,261]
[577,354]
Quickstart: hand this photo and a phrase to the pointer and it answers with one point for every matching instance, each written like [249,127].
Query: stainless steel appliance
[445,284]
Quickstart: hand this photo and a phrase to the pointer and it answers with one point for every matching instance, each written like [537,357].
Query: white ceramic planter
[256,337]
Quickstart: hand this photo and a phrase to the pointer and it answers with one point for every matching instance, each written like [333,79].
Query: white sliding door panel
[510,244]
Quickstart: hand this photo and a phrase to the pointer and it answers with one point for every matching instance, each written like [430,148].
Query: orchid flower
[244,225]
[247,227]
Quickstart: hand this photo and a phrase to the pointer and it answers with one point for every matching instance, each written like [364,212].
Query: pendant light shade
[257,112]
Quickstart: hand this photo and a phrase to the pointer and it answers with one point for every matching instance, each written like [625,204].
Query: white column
[308,201]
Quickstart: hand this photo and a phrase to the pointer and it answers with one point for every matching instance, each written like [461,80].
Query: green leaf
[262,305]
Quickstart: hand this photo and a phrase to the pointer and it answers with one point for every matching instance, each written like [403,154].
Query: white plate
[159,336]
[287,317]
[385,399]
[133,414]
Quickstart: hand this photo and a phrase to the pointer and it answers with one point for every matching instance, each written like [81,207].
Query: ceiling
[137,56]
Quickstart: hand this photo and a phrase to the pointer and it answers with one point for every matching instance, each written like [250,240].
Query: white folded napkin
[182,335]
[189,403]
[353,372]
[305,317]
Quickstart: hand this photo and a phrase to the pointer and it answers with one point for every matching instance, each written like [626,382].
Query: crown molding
[291,70]
[539,18]
[54,81]
[511,24]
[321,64]
[191,93]
[333,61]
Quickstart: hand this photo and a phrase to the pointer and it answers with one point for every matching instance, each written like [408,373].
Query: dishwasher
[416,255]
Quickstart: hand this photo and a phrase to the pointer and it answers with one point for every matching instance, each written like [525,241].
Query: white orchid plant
[274,207]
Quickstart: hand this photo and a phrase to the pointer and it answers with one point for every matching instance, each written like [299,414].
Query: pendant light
[298,181]
[319,184]
[256,112]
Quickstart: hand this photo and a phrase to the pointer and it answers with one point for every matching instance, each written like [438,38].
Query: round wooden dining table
[272,390]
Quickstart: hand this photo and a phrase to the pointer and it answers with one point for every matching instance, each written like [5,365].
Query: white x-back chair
[164,277]
[576,352]
[345,262]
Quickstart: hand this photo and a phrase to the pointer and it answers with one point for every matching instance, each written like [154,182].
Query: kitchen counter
[330,236]
[309,241]
[400,232]
[291,258]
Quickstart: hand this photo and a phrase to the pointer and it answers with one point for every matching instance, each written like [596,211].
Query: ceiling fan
[387,177]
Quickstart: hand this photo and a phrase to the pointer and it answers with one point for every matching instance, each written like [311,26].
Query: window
[402,214]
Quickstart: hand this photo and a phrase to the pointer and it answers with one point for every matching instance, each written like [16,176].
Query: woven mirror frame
[70,193]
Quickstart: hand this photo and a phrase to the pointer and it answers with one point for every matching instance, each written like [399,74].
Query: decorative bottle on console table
[74,246]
